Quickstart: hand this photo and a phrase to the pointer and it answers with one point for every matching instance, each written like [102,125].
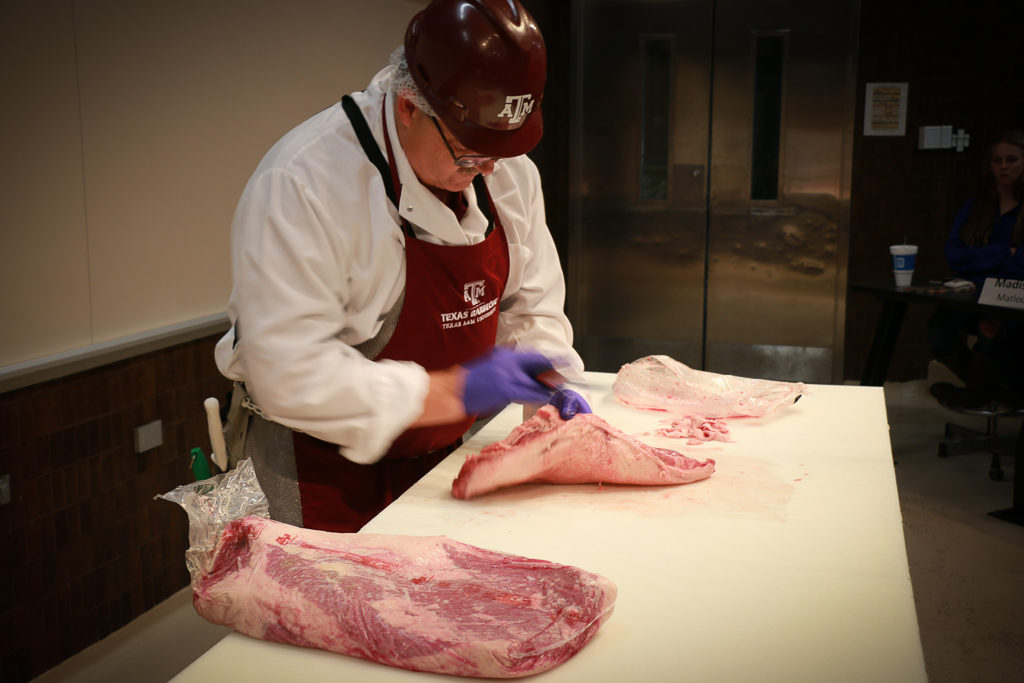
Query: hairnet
[403,85]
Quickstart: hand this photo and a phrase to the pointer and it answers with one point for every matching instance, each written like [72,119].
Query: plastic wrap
[663,383]
[211,505]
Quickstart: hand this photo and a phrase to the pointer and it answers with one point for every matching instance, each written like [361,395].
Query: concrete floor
[967,569]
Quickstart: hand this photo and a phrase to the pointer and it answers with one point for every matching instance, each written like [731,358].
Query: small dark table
[895,301]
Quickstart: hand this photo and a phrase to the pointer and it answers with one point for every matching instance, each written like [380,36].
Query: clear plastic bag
[211,505]
[663,383]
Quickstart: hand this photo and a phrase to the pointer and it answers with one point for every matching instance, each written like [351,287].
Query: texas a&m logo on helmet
[517,108]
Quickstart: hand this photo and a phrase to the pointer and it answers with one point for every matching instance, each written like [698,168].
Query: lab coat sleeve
[290,302]
[532,309]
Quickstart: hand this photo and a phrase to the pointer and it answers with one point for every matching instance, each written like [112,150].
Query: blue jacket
[976,262]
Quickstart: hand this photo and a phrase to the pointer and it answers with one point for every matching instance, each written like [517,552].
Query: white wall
[129,128]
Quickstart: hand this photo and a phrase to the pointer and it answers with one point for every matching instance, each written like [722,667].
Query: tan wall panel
[180,100]
[44,281]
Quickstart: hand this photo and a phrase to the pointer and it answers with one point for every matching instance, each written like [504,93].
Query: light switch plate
[149,436]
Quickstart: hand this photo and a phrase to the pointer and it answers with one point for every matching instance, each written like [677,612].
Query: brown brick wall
[85,547]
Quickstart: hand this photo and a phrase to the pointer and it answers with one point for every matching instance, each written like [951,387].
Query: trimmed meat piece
[663,383]
[696,430]
[414,602]
[585,449]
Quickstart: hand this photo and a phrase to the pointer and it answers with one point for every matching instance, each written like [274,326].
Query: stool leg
[995,469]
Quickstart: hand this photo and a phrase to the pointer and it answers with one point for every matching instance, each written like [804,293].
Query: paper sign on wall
[885,109]
[1001,291]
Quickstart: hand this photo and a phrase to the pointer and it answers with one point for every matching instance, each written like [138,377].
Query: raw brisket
[421,603]
[584,449]
[663,383]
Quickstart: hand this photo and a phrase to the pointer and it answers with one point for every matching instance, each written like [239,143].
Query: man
[380,251]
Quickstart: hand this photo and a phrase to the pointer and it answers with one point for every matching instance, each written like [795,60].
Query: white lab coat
[318,259]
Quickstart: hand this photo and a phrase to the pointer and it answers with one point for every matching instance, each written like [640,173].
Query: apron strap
[483,202]
[376,157]
[373,153]
[369,145]
[372,347]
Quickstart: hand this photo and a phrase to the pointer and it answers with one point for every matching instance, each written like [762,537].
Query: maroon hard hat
[481,64]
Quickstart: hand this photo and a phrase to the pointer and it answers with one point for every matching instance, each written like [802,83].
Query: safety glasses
[463,160]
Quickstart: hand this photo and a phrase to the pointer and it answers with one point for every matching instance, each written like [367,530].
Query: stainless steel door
[739,269]
[639,228]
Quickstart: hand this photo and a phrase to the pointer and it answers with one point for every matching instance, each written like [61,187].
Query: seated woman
[984,243]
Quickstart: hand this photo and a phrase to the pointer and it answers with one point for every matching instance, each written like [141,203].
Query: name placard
[1001,291]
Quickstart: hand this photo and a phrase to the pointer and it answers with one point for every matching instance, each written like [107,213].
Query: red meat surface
[414,602]
[585,449]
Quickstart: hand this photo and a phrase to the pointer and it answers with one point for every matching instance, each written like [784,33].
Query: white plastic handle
[220,451]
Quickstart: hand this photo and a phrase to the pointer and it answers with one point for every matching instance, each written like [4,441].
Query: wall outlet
[929,137]
[149,436]
[5,489]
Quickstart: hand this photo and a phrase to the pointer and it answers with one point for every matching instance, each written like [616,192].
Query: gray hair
[403,85]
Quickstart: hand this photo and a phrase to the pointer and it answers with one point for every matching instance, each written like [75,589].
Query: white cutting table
[788,564]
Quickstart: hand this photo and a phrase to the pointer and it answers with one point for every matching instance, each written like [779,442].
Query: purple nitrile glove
[569,403]
[496,379]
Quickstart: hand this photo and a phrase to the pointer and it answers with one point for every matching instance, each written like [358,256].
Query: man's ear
[405,110]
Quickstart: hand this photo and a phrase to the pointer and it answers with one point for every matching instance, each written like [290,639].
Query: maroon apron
[450,315]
